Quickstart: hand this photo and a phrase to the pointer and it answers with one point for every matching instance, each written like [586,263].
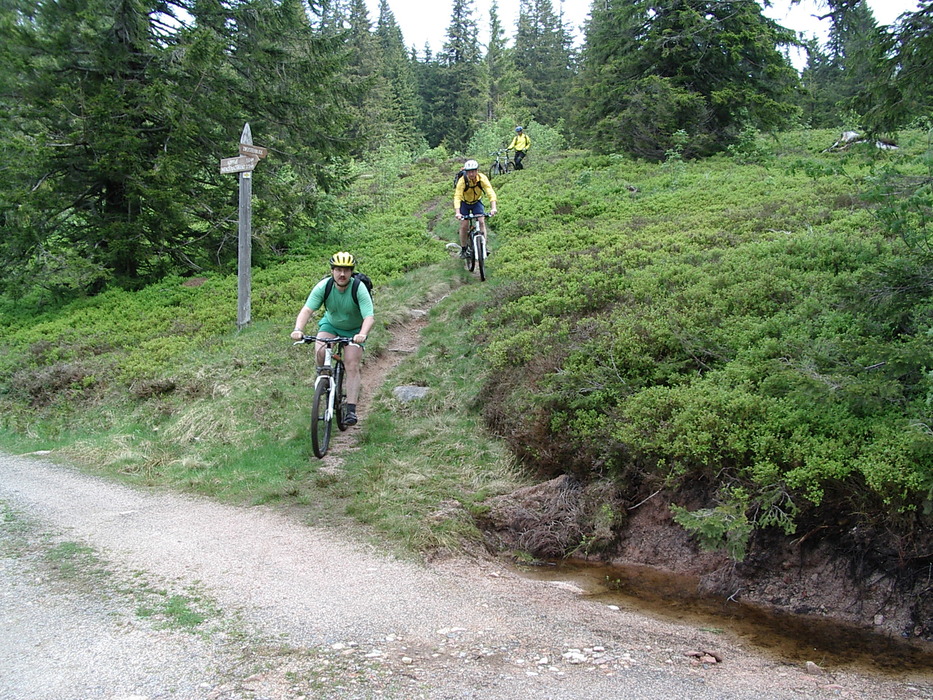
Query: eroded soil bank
[806,576]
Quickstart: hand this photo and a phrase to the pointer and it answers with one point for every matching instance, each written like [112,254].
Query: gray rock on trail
[409,393]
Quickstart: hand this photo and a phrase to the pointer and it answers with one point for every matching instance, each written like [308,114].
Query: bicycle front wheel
[479,247]
[470,261]
[320,424]
[340,398]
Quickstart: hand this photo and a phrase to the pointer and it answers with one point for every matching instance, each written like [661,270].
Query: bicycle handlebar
[327,341]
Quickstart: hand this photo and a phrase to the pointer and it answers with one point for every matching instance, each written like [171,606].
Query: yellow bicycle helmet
[342,259]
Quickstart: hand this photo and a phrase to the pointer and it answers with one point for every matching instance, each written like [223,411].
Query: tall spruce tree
[371,110]
[460,101]
[900,89]
[544,60]
[129,111]
[398,74]
[835,76]
[652,68]
[90,96]
[431,76]
[501,77]
[290,87]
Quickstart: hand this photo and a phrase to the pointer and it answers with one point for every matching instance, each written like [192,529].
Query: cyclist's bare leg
[319,346]
[481,220]
[464,230]
[352,355]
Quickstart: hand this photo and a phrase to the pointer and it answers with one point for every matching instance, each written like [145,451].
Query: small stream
[788,637]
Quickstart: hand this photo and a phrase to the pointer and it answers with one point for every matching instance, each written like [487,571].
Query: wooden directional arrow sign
[247,149]
[241,164]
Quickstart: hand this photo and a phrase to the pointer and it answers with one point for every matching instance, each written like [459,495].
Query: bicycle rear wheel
[509,167]
[320,425]
[479,248]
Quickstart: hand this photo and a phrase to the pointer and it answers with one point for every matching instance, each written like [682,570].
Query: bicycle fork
[326,374]
[473,244]
[329,411]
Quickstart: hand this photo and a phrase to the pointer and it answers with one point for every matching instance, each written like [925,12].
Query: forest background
[715,308]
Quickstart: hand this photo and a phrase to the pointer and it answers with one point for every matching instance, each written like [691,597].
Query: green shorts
[324,325]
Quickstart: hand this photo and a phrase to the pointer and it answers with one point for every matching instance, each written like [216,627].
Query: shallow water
[792,638]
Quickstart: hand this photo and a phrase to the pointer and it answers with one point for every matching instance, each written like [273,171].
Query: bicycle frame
[331,368]
[328,373]
[475,232]
[477,248]
[327,404]
[475,229]
[502,162]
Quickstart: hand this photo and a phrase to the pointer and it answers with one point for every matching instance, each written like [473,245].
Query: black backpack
[358,278]
[479,183]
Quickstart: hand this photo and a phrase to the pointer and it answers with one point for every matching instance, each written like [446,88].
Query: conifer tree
[460,102]
[371,110]
[544,60]
[129,112]
[833,78]
[431,76]
[901,86]
[652,69]
[398,74]
[500,74]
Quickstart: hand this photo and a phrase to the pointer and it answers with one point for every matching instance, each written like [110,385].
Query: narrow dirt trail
[306,612]
[404,342]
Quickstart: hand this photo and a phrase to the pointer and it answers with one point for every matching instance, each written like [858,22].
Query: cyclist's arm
[303,317]
[458,195]
[314,301]
[367,312]
[368,323]
[487,188]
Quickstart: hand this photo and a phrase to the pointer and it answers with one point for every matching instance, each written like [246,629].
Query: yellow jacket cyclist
[468,199]
[520,144]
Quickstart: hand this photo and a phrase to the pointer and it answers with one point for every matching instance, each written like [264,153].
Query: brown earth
[803,577]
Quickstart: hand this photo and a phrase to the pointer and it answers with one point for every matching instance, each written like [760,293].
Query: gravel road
[292,611]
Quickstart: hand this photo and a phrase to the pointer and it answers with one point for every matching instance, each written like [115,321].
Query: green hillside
[749,334]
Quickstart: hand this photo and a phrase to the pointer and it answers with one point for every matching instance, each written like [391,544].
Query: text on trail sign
[237,165]
[247,149]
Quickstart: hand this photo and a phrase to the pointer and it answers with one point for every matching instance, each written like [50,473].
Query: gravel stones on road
[295,611]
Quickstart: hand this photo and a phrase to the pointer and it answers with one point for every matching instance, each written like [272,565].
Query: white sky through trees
[427,22]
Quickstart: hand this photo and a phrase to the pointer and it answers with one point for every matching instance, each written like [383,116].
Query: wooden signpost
[244,165]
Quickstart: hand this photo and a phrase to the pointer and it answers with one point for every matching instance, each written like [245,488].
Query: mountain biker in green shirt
[520,144]
[468,199]
[342,317]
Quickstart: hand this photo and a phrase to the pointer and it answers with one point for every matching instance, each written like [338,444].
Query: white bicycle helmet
[471,165]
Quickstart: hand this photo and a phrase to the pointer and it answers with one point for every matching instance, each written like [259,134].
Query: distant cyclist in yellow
[468,199]
[520,144]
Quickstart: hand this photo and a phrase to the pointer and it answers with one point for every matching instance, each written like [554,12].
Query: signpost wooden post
[244,165]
